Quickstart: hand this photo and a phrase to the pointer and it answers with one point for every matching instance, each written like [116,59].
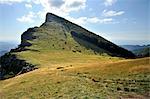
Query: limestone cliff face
[57,33]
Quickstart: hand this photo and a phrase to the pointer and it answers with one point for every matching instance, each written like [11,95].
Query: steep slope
[56,34]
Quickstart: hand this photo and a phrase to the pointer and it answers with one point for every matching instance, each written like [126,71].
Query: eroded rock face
[26,36]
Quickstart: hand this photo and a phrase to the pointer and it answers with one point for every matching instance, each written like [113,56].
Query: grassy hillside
[59,34]
[69,75]
[56,35]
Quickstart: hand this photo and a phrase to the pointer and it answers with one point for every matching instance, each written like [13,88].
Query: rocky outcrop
[11,65]
[27,36]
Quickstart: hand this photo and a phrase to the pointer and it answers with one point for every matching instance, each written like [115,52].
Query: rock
[26,69]
[60,67]
[94,80]
[126,89]
[27,35]
[10,63]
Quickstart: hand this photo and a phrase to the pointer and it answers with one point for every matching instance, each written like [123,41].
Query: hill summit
[57,34]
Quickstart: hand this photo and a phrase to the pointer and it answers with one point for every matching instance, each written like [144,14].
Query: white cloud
[58,7]
[28,5]
[73,5]
[27,18]
[62,7]
[10,1]
[99,20]
[94,20]
[106,20]
[112,13]
[109,2]
[35,1]
[86,20]
[79,21]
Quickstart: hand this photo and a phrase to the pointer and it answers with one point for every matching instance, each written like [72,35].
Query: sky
[124,22]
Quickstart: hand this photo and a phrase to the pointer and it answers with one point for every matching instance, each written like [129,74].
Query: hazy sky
[120,21]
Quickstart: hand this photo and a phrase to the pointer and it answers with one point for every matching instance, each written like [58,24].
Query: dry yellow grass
[77,76]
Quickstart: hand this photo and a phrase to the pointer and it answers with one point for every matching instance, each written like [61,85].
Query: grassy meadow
[69,75]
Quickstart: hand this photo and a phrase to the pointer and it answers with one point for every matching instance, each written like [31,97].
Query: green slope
[59,34]
[87,77]
[56,34]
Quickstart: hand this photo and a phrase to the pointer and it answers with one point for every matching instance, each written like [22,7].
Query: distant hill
[3,52]
[6,47]
[58,34]
[134,47]
[138,50]
[144,52]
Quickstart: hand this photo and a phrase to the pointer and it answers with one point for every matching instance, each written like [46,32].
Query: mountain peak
[50,17]
[64,35]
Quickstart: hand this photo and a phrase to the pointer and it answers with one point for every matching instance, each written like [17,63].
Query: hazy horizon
[118,42]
